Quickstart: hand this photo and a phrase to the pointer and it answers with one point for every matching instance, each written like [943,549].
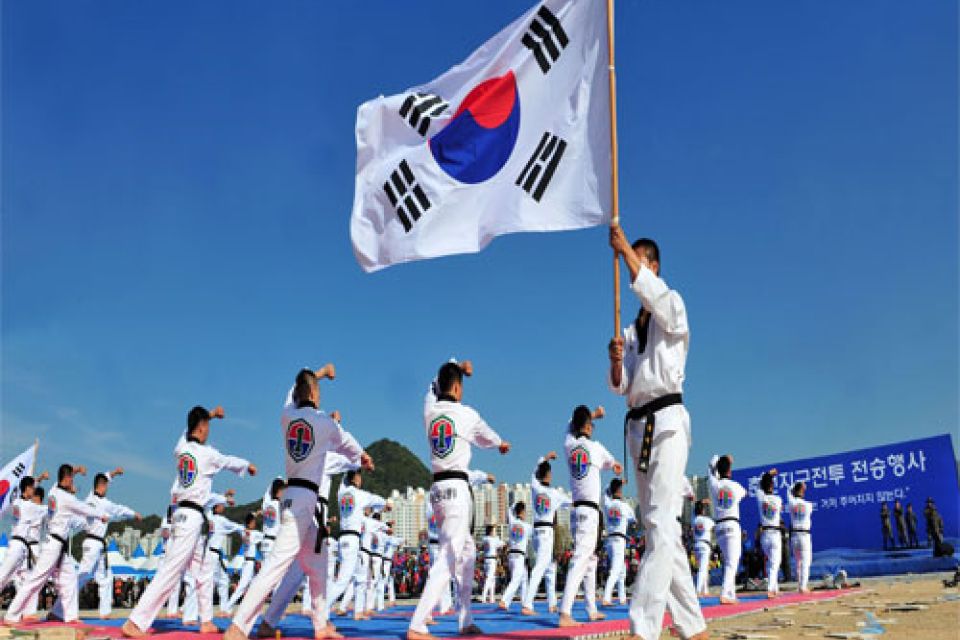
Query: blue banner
[849,488]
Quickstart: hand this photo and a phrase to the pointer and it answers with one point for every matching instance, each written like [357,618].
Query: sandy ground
[937,614]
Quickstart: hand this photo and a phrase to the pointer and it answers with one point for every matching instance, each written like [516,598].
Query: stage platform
[496,624]
[864,563]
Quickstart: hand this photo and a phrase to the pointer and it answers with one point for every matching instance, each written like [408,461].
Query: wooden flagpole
[614,168]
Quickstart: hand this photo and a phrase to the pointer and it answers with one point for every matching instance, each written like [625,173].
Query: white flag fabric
[10,476]
[516,138]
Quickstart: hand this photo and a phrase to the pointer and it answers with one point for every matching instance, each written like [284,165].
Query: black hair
[303,388]
[449,374]
[25,483]
[649,249]
[376,515]
[699,508]
[615,485]
[250,517]
[519,508]
[582,416]
[38,492]
[724,464]
[276,486]
[796,489]
[100,478]
[64,472]
[353,473]
[489,529]
[196,417]
[767,482]
[542,470]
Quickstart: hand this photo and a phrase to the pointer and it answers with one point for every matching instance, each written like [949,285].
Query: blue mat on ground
[862,563]
[393,622]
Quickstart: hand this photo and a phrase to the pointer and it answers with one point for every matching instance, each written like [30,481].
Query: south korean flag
[516,138]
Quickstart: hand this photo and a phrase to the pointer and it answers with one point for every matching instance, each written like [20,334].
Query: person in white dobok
[801,520]
[770,506]
[619,518]
[445,605]
[586,458]
[308,435]
[68,515]
[216,564]
[251,541]
[391,545]
[270,511]
[703,545]
[354,502]
[197,463]
[726,494]
[94,564]
[547,500]
[173,602]
[452,429]
[375,533]
[490,547]
[519,538]
[647,366]
[29,518]
[203,573]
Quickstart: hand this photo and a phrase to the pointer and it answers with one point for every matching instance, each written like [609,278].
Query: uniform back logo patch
[443,436]
[347,505]
[725,499]
[269,516]
[516,534]
[542,504]
[299,440]
[769,509]
[579,462]
[699,528]
[799,511]
[614,516]
[186,470]
[52,504]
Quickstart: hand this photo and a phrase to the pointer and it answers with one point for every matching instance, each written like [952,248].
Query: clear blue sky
[177,181]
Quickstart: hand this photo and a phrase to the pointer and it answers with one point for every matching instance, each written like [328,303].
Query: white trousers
[585,521]
[453,508]
[246,577]
[518,579]
[220,579]
[545,568]
[191,610]
[93,566]
[446,599]
[770,541]
[703,550]
[489,592]
[803,557]
[296,541]
[617,578]
[730,541]
[664,568]
[391,595]
[374,584]
[48,564]
[349,560]
[283,595]
[14,562]
[183,554]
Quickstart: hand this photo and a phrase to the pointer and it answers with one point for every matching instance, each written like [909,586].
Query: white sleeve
[621,389]
[345,444]
[481,435]
[628,510]
[120,511]
[430,398]
[606,458]
[374,501]
[477,477]
[288,401]
[335,463]
[739,491]
[230,463]
[665,306]
[78,508]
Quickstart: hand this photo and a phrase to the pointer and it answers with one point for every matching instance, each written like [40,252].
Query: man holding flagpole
[647,366]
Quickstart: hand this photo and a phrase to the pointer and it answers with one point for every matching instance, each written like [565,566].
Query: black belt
[766,528]
[320,512]
[799,530]
[63,548]
[103,543]
[728,519]
[617,534]
[522,553]
[365,550]
[490,557]
[249,559]
[649,411]
[544,525]
[223,565]
[451,475]
[434,541]
[26,543]
[269,537]
[593,505]
[586,503]
[709,546]
[348,532]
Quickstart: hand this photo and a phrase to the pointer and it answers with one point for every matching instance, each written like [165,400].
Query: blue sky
[177,181]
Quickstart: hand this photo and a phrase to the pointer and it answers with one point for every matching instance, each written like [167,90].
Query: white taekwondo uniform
[619,517]
[191,610]
[251,540]
[703,548]
[451,428]
[220,528]
[94,564]
[67,516]
[547,501]
[354,563]
[333,464]
[490,547]
[770,506]
[801,521]
[652,379]
[308,434]
[433,538]
[390,550]
[519,538]
[166,530]
[271,523]
[585,458]
[377,531]
[24,540]
[196,465]
[726,495]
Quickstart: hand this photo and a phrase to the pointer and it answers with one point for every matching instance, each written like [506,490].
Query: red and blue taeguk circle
[480,137]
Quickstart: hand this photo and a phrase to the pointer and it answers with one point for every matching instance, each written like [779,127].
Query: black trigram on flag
[545,38]
[419,108]
[539,170]
[406,195]
[19,469]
